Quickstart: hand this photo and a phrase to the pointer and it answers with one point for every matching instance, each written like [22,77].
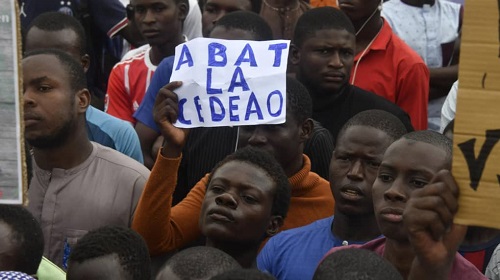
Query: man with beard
[77,185]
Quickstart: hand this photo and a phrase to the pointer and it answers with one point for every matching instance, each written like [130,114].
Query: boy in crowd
[415,200]
[160,22]
[384,64]
[110,252]
[54,30]
[200,262]
[323,50]
[166,228]
[77,185]
[361,143]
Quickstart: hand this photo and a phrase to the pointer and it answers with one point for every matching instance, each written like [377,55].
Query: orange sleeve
[166,228]
[413,87]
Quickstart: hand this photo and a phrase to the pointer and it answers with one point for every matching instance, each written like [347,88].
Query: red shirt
[391,69]
[127,85]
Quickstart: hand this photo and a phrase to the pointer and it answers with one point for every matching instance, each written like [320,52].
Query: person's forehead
[222,32]
[367,135]
[245,5]
[415,153]
[42,62]
[330,34]
[234,171]
[151,2]
[44,39]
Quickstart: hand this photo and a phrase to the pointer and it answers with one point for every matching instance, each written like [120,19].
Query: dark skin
[283,3]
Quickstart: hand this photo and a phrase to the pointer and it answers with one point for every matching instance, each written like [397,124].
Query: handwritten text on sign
[231,82]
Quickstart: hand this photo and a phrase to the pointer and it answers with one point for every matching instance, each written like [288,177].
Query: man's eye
[373,164]
[44,88]
[158,8]
[249,199]
[418,183]
[140,10]
[385,178]
[216,189]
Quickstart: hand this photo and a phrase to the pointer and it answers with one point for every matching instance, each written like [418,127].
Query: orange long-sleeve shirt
[166,228]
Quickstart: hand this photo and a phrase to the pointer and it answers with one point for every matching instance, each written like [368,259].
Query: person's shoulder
[134,52]
[402,53]
[167,63]
[307,231]
[112,126]
[116,160]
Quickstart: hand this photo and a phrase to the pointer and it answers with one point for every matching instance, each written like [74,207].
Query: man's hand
[165,112]
[428,218]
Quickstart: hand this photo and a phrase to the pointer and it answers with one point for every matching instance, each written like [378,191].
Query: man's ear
[306,129]
[275,223]
[183,11]
[82,100]
[85,60]
[294,54]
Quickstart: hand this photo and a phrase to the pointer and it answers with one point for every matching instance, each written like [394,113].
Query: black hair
[298,100]
[248,21]
[355,263]
[256,5]
[378,119]
[434,138]
[319,19]
[56,21]
[199,263]
[243,274]
[27,234]
[128,245]
[78,80]
[268,163]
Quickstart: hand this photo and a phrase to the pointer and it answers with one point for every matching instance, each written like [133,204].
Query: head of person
[198,263]
[21,240]
[214,10]
[358,152]
[159,21]
[243,274]
[246,200]
[361,10]
[323,50]
[284,141]
[55,98]
[242,25]
[355,263]
[55,30]
[408,164]
[110,252]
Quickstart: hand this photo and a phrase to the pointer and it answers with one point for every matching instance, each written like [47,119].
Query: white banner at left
[12,150]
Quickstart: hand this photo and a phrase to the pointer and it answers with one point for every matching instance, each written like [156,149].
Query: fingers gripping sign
[166,113]
[428,219]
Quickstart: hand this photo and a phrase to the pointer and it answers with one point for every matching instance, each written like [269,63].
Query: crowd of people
[356,184]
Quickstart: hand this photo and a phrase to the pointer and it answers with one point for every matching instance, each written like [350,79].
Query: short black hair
[434,138]
[298,100]
[319,19]
[268,163]
[199,262]
[128,245]
[27,234]
[244,274]
[56,21]
[247,21]
[378,119]
[355,263]
[78,80]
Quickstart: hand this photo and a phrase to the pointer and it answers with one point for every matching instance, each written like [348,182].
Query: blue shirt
[161,77]
[295,253]
[114,133]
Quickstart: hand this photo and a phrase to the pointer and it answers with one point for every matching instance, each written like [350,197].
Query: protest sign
[231,82]
[12,163]
[476,153]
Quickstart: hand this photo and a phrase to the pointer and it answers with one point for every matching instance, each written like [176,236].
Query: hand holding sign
[231,82]
[428,219]
[165,113]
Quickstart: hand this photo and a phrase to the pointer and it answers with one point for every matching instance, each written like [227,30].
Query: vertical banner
[476,152]
[12,163]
